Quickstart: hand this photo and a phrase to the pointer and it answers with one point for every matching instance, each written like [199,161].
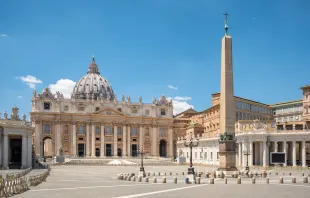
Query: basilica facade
[94,123]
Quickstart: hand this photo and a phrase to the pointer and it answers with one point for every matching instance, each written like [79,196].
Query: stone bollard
[186,180]
[164,180]
[146,179]
[211,180]
[294,180]
[125,177]
[175,180]
[197,180]
[134,178]
[148,174]
[239,180]
[159,174]
[305,180]
[129,178]
[154,180]
[225,180]
[302,174]
[251,175]
[267,180]
[281,180]
[140,179]
[253,180]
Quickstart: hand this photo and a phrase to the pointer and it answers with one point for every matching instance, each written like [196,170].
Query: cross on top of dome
[93,68]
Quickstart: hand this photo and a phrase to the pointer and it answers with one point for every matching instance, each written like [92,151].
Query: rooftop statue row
[14,115]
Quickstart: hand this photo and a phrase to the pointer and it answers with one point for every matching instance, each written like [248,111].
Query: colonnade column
[29,150]
[275,143]
[24,151]
[303,152]
[128,141]
[154,139]
[93,139]
[141,137]
[73,152]
[267,153]
[284,150]
[244,158]
[115,141]
[1,149]
[124,153]
[58,138]
[251,152]
[294,152]
[264,154]
[170,142]
[38,137]
[102,141]
[261,153]
[5,151]
[87,139]
[240,153]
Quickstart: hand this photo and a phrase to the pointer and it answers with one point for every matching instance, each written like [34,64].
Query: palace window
[66,108]
[80,108]
[119,109]
[162,132]
[97,130]
[147,112]
[97,138]
[119,131]
[47,105]
[206,155]
[81,129]
[108,130]
[97,108]
[134,131]
[134,111]
[162,112]
[47,129]
[211,157]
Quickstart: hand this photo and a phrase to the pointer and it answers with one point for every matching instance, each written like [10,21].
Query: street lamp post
[142,151]
[247,153]
[191,144]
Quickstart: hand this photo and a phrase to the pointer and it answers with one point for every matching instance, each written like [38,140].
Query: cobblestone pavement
[100,181]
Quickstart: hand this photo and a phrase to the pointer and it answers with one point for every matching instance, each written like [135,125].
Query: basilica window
[162,132]
[108,130]
[97,130]
[81,129]
[147,112]
[119,131]
[80,108]
[133,131]
[97,108]
[47,129]
[119,109]
[66,108]
[47,105]
[147,132]
[162,112]
[134,111]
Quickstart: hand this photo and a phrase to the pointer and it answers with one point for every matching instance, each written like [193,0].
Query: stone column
[128,141]
[244,158]
[93,140]
[124,153]
[38,137]
[1,149]
[268,154]
[29,150]
[261,153]
[170,143]
[303,153]
[240,153]
[264,154]
[275,143]
[251,156]
[24,151]
[73,153]
[141,138]
[58,138]
[294,152]
[87,139]
[115,141]
[153,141]
[5,151]
[102,151]
[284,150]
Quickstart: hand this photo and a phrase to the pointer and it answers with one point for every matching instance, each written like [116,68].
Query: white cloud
[172,87]
[3,35]
[31,81]
[180,104]
[19,97]
[64,86]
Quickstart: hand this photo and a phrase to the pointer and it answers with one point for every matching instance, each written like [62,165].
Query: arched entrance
[47,147]
[119,152]
[162,148]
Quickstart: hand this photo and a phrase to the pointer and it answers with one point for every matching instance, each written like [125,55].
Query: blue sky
[142,46]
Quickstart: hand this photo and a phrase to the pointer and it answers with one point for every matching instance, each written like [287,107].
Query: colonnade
[259,152]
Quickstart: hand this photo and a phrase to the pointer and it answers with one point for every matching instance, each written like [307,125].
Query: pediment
[109,112]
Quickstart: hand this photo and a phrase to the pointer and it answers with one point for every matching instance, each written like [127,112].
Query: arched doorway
[119,152]
[47,147]
[97,152]
[162,148]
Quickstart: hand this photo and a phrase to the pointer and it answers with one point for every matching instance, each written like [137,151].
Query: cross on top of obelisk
[226,22]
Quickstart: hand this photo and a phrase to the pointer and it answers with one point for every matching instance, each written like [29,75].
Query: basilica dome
[93,85]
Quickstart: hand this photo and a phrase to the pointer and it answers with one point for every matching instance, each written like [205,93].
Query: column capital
[38,121]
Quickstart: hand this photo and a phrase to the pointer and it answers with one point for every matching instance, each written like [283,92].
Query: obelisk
[227,107]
